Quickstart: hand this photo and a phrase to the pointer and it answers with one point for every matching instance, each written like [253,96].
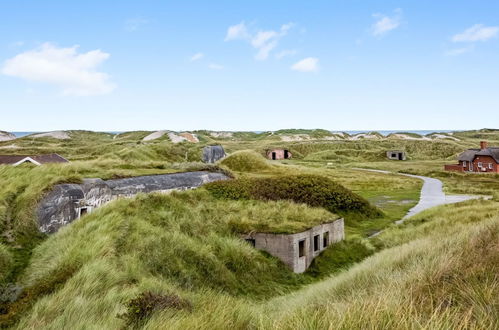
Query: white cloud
[134,24]
[263,41]
[215,66]
[309,64]
[238,31]
[285,53]
[75,73]
[196,57]
[477,32]
[384,23]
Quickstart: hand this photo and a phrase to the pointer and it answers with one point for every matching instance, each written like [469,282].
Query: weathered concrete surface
[286,247]
[67,202]
[212,154]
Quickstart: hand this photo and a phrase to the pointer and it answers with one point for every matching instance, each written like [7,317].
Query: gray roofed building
[33,159]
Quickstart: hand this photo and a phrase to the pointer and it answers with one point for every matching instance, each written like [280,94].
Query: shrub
[313,190]
[141,308]
[6,262]
[246,161]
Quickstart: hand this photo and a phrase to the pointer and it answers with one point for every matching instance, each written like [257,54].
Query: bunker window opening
[301,248]
[251,241]
[316,243]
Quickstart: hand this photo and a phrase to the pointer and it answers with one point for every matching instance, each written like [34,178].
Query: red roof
[42,159]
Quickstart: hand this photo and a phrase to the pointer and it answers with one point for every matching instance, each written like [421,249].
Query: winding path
[432,195]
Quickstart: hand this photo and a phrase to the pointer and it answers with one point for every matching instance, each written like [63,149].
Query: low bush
[246,161]
[141,308]
[313,190]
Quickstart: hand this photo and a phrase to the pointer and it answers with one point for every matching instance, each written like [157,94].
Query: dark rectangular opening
[286,154]
[301,248]
[394,155]
[316,243]
[325,239]
[274,156]
[83,211]
[251,241]
[401,156]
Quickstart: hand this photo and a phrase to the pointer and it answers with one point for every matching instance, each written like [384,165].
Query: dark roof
[42,159]
[470,154]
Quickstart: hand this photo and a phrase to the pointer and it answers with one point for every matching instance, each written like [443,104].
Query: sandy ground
[61,135]
[154,136]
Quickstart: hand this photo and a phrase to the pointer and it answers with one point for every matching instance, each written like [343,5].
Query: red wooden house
[483,160]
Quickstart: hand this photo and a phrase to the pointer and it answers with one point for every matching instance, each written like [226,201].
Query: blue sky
[249,65]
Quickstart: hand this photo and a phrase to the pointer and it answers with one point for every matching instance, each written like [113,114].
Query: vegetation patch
[141,308]
[313,190]
[246,161]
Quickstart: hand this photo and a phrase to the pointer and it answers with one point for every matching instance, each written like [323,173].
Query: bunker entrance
[316,243]
[274,156]
[325,239]
[301,248]
[286,154]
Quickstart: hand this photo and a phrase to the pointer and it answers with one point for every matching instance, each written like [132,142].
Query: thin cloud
[309,64]
[385,24]
[477,32]
[285,53]
[74,72]
[214,66]
[458,51]
[263,41]
[135,24]
[196,57]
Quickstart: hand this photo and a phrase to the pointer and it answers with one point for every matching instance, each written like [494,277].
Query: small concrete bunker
[299,249]
[67,202]
[212,154]
[396,155]
[278,154]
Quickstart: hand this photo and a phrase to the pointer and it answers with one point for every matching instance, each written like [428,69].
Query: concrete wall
[396,155]
[212,154]
[67,202]
[286,246]
[279,154]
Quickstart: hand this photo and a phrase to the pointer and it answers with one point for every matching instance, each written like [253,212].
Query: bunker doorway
[286,154]
[401,156]
[274,156]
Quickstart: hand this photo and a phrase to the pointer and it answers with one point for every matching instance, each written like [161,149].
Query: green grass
[246,161]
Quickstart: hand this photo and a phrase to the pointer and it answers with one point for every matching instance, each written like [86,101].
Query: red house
[483,160]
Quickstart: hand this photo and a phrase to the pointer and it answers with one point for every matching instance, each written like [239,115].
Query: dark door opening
[286,154]
[83,211]
[401,156]
[325,239]
[316,243]
[301,248]
[274,156]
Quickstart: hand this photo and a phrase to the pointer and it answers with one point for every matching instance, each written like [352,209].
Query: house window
[491,166]
[480,164]
[301,248]
[316,243]
[464,163]
[325,239]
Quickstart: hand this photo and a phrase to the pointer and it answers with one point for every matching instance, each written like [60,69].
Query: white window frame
[480,164]
[491,166]
[464,163]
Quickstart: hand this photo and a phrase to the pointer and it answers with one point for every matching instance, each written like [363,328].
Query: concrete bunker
[212,154]
[396,155]
[298,250]
[67,202]
[278,154]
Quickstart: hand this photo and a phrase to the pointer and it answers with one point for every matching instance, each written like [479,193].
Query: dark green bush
[313,190]
[141,308]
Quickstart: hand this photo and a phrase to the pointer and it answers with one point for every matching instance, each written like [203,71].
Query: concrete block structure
[212,154]
[67,202]
[278,154]
[396,155]
[299,249]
